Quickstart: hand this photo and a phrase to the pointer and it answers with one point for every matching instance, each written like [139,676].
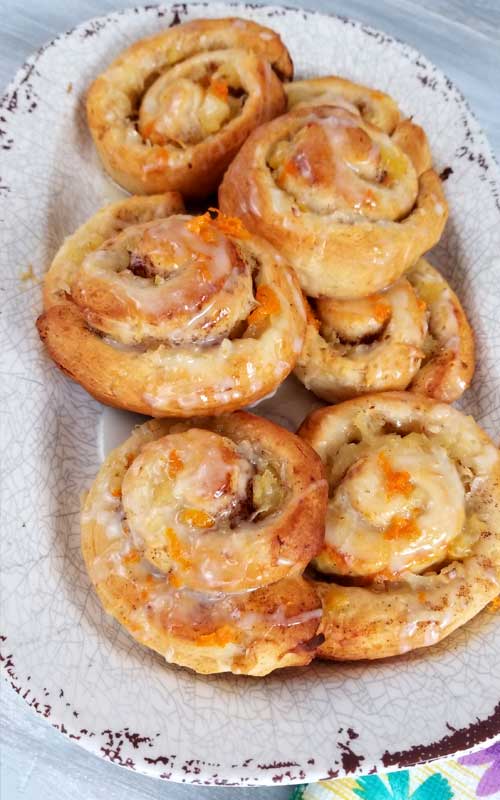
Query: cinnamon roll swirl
[412,542]
[172,110]
[195,535]
[414,335]
[174,316]
[375,107]
[350,207]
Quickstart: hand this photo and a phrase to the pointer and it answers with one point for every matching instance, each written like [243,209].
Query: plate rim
[478,733]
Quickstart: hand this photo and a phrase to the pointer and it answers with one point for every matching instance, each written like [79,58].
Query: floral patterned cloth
[467,778]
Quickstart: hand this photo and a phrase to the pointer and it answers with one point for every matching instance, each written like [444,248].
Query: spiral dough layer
[195,535]
[172,316]
[172,110]
[412,541]
[350,207]
[374,106]
[414,334]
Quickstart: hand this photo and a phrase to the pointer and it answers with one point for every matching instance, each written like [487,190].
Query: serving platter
[60,652]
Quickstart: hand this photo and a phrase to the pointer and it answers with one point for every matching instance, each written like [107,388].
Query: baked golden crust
[173,109]
[109,221]
[413,523]
[447,370]
[414,334]
[171,317]
[375,107]
[195,534]
[341,200]
[412,140]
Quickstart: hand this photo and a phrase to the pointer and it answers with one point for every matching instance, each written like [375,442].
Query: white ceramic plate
[72,663]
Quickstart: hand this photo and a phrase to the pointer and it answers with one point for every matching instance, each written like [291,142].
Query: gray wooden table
[460,36]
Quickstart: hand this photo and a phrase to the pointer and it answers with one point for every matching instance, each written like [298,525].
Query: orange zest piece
[116,492]
[494,605]
[402,528]
[291,167]
[218,638]
[206,226]
[421,597]
[128,460]
[268,304]
[175,464]
[381,310]
[196,518]
[231,226]
[176,550]
[219,88]
[202,226]
[311,318]
[174,580]
[132,558]
[148,129]
[133,627]
[396,481]
[369,198]
[422,305]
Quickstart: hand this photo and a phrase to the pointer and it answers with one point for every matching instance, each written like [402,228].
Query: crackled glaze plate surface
[60,652]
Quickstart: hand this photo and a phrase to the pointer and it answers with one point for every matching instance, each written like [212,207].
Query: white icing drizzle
[106,512]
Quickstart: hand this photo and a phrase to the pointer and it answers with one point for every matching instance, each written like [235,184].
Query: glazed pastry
[412,540]
[172,110]
[375,107]
[449,361]
[171,317]
[195,535]
[349,207]
[414,334]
